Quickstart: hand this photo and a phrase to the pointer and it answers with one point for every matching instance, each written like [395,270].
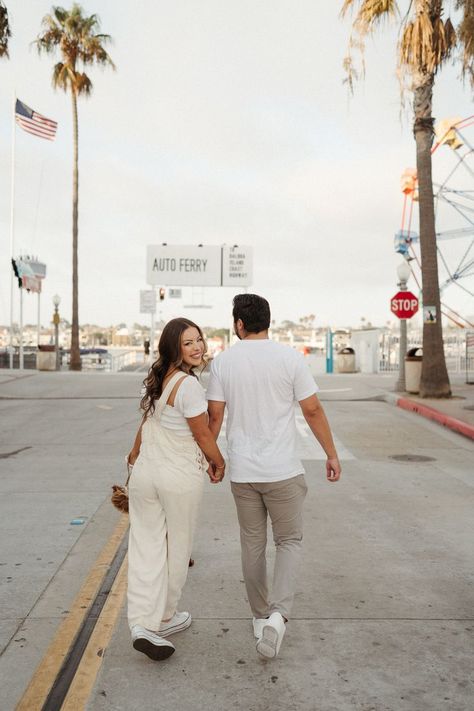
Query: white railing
[455,353]
[119,361]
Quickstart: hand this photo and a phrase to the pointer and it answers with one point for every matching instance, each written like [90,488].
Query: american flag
[33,122]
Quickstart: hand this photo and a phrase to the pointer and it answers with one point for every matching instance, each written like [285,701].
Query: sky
[225,122]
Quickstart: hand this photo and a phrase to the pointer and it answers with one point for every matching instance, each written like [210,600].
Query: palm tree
[80,44]
[5,32]
[427,41]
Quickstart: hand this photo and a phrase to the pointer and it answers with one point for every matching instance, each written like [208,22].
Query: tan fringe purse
[119,496]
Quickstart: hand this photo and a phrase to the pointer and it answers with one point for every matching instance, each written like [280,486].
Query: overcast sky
[226,122]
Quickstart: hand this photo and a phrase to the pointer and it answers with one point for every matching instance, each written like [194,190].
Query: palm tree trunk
[434,374]
[75,359]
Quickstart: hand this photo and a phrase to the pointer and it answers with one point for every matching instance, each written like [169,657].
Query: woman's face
[192,347]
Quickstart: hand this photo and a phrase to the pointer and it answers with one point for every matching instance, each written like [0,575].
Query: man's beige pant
[283,502]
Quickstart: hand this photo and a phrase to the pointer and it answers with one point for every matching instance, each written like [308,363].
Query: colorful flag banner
[34,123]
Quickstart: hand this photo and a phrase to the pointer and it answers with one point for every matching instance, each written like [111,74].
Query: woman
[165,487]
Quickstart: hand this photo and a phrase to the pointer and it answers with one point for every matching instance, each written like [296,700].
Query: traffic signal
[162,293]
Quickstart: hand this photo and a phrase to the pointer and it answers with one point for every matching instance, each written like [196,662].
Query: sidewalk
[455,413]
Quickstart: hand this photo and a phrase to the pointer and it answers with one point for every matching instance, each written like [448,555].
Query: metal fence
[469,357]
[458,350]
[101,360]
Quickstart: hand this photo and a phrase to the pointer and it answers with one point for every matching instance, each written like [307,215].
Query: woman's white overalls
[165,490]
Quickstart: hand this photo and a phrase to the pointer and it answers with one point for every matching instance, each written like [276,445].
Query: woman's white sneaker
[272,634]
[151,644]
[179,622]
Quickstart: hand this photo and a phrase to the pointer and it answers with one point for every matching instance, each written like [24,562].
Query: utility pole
[56,320]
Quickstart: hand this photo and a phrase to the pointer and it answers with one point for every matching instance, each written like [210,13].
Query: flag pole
[12,227]
[21,361]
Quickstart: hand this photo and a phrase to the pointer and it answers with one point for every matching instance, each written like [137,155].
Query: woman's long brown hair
[169,356]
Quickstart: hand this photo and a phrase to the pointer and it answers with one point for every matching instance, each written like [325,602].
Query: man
[259,381]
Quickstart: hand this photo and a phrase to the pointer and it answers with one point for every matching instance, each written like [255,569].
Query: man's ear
[239,326]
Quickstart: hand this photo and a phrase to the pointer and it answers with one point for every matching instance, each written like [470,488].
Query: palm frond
[466,37]
[370,14]
[371,11]
[5,32]
[426,43]
[83,84]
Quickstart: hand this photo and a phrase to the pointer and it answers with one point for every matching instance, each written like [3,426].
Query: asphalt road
[383,619]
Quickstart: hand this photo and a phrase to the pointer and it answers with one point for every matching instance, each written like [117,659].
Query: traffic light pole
[152,329]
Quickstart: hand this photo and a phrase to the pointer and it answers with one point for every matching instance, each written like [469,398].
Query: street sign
[179,265]
[404,304]
[31,283]
[237,266]
[204,265]
[148,302]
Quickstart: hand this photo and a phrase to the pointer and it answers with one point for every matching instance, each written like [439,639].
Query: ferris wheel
[453,191]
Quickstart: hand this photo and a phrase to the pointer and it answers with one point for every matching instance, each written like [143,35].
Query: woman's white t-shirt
[190,401]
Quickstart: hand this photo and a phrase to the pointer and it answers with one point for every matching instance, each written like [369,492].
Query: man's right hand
[333,469]
[215,475]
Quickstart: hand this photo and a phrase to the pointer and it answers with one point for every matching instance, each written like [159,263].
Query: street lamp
[403,273]
[56,319]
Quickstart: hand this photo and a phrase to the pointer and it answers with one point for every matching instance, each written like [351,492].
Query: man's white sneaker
[179,622]
[258,623]
[272,634]
[151,644]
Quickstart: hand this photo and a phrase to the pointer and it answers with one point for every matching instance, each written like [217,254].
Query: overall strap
[163,399]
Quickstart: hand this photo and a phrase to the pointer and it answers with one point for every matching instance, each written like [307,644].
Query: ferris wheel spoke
[465,255]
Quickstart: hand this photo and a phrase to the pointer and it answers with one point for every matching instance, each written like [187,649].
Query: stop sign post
[404,304]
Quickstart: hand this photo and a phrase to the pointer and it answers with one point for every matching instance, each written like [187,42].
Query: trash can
[46,358]
[345,361]
[413,361]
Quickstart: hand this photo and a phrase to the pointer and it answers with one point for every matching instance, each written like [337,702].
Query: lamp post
[403,273]
[56,319]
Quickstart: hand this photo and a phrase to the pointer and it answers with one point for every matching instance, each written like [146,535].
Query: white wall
[366,347]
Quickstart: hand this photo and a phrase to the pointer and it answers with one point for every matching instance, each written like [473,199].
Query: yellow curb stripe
[47,670]
[86,674]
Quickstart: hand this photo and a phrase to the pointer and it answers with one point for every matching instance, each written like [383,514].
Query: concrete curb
[431,413]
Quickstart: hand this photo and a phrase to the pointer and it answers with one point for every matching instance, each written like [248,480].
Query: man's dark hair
[253,310]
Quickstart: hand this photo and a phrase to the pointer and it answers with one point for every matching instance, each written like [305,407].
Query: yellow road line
[47,670]
[86,674]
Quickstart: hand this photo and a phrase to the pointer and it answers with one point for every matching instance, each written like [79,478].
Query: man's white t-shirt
[260,381]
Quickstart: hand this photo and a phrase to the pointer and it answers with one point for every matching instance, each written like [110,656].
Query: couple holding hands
[258,381]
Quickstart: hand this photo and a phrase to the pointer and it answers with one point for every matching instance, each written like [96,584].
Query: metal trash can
[46,358]
[413,361]
[345,361]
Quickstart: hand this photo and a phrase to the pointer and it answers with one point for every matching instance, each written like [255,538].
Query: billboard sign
[179,265]
[237,266]
[205,265]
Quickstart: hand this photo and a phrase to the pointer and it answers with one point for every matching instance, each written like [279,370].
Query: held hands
[333,469]
[216,474]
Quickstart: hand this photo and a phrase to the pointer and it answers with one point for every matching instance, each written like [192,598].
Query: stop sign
[404,304]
